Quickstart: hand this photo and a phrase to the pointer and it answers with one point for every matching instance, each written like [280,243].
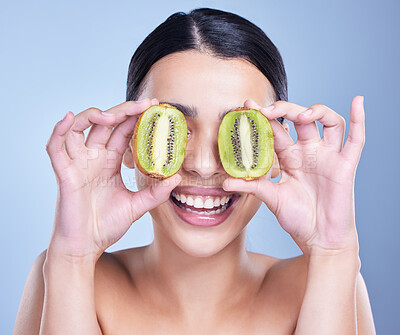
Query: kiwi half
[246,143]
[159,141]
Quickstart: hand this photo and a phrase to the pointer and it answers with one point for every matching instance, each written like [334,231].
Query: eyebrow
[191,111]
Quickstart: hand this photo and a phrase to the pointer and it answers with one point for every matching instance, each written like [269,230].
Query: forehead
[204,82]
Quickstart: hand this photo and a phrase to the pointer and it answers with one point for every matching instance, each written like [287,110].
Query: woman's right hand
[94,208]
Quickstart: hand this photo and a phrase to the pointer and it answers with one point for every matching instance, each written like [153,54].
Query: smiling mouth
[203,205]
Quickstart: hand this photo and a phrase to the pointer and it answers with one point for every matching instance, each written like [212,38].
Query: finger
[92,116]
[281,137]
[100,133]
[249,103]
[356,137]
[285,109]
[334,124]
[98,136]
[154,195]
[75,138]
[105,120]
[306,131]
[55,146]
[112,116]
[121,137]
[262,188]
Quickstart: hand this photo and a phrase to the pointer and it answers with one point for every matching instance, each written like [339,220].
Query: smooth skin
[199,280]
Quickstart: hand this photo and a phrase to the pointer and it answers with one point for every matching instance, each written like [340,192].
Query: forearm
[69,302]
[329,303]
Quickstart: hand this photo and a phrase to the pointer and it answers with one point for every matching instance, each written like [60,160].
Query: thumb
[152,196]
[262,188]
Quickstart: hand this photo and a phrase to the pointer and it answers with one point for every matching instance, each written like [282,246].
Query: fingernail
[106,114]
[268,108]
[307,112]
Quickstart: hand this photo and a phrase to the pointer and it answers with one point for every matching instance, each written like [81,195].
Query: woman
[196,277]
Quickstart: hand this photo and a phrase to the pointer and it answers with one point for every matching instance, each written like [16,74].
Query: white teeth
[209,203]
[221,203]
[213,212]
[183,199]
[189,201]
[198,203]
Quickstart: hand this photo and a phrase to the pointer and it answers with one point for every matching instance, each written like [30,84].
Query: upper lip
[201,191]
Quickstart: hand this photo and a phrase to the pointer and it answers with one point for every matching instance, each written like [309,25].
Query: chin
[201,221]
[196,240]
[198,249]
[205,245]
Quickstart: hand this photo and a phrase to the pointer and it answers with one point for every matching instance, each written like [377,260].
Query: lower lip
[204,220]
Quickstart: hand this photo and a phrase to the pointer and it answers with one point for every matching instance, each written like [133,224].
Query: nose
[202,156]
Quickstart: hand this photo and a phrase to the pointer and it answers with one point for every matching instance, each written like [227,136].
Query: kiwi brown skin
[244,109]
[134,147]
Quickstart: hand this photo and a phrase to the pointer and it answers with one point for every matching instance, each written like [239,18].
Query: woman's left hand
[314,199]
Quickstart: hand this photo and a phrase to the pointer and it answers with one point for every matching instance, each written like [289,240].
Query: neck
[199,284]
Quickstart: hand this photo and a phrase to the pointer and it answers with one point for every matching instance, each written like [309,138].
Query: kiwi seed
[159,141]
[246,143]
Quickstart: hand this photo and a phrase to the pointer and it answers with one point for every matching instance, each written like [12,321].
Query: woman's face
[204,87]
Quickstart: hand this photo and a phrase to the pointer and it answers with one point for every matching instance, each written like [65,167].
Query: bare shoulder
[119,264]
[284,287]
[284,281]
[287,271]
[116,296]
[293,269]
[290,275]
[30,309]
[365,320]
[114,280]
[280,295]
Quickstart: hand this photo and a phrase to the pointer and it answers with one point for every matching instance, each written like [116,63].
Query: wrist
[73,252]
[349,251]
[338,262]
[331,247]
[57,258]
[58,269]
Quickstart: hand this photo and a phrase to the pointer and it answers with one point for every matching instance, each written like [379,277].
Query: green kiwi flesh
[246,143]
[160,141]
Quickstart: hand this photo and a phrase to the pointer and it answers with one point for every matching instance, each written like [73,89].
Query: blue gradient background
[59,56]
